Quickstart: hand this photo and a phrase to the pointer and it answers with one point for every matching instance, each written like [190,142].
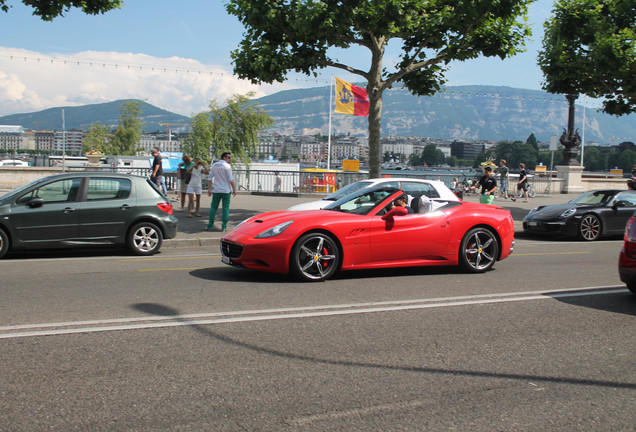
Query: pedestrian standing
[184,167]
[278,182]
[503,179]
[522,184]
[157,170]
[194,186]
[221,187]
[488,186]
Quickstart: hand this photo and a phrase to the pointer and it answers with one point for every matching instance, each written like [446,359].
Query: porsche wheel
[589,228]
[315,257]
[4,243]
[145,238]
[478,251]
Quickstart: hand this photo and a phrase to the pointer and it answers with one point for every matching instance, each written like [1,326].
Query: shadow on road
[208,332]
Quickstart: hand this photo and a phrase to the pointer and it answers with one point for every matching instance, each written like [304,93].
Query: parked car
[589,216]
[361,231]
[413,187]
[86,208]
[627,257]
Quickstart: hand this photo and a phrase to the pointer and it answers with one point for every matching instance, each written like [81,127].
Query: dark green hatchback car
[86,208]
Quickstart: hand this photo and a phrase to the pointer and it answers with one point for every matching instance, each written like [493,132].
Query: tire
[632,287]
[589,228]
[532,192]
[4,243]
[145,238]
[478,251]
[315,257]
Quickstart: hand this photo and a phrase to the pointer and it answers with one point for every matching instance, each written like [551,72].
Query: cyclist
[522,184]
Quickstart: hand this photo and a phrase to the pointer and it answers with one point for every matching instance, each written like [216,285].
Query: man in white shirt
[221,175]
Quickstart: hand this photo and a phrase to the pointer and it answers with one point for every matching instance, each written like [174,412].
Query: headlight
[274,231]
[533,210]
[569,212]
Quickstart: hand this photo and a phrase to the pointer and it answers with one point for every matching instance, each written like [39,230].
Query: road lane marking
[549,253]
[150,322]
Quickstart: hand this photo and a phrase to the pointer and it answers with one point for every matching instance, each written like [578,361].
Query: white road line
[138,323]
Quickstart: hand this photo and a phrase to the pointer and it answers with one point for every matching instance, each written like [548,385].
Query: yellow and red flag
[351,99]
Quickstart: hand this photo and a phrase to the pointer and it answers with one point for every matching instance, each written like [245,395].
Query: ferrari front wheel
[478,251]
[315,257]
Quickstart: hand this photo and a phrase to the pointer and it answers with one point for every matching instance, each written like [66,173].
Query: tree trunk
[375,118]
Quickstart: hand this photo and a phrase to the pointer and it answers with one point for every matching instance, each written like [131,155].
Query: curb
[213,243]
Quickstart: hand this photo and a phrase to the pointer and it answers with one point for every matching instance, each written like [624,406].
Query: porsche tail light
[165,207]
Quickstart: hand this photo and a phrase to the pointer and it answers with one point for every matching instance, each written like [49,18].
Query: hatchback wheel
[315,257]
[478,251]
[4,243]
[145,238]
[589,228]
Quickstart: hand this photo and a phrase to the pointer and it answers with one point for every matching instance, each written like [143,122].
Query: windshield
[362,202]
[14,192]
[343,192]
[601,197]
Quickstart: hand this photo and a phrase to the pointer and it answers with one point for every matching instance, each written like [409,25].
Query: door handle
[125,207]
[68,210]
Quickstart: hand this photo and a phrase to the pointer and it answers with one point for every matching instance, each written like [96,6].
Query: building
[69,142]
[466,150]
[14,138]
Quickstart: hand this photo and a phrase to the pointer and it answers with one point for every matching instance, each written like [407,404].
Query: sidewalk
[192,230]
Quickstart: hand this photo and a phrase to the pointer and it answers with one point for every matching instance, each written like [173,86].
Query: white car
[433,189]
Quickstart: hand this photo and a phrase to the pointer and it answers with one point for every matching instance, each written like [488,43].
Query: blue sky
[175,55]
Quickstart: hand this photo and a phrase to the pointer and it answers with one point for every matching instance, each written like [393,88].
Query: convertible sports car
[589,216]
[363,231]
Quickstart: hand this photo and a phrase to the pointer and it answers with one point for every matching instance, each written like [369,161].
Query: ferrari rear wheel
[589,228]
[315,257]
[478,251]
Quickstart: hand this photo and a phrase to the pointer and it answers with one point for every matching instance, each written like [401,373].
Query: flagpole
[329,137]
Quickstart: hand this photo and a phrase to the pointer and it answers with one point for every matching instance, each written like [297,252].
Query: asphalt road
[105,341]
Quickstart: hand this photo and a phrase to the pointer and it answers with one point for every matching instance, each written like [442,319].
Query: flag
[351,99]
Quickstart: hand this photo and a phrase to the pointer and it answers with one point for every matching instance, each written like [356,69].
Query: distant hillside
[80,117]
[460,112]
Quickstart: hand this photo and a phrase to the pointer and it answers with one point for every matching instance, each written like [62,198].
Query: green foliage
[532,140]
[99,137]
[48,10]
[232,128]
[127,136]
[432,156]
[296,35]
[589,47]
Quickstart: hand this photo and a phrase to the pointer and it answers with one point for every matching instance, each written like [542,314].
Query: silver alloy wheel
[4,243]
[315,257]
[479,250]
[145,239]
[589,228]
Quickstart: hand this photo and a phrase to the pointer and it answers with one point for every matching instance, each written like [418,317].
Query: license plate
[532,224]
[225,260]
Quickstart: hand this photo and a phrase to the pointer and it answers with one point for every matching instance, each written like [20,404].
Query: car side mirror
[395,211]
[35,202]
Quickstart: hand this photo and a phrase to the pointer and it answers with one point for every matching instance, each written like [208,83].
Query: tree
[589,47]
[432,156]
[532,140]
[296,35]
[127,136]
[50,9]
[232,128]
[98,138]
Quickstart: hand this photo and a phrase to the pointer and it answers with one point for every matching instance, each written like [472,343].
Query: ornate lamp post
[570,139]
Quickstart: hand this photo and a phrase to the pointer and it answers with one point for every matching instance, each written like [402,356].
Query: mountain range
[493,113]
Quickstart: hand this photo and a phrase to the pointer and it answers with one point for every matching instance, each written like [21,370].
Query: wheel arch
[145,219]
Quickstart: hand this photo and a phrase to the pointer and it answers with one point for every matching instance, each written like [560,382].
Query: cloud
[32,81]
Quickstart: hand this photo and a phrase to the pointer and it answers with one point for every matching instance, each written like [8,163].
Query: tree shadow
[206,331]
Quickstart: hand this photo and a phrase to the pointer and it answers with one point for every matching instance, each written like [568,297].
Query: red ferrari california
[367,230]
